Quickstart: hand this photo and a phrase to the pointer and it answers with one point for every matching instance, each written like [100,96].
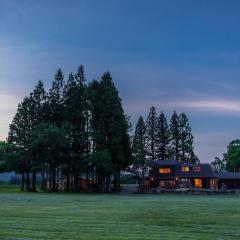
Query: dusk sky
[175,55]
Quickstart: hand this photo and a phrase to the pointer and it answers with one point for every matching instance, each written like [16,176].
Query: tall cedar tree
[151,134]
[56,115]
[20,135]
[75,121]
[139,167]
[70,122]
[163,138]
[28,116]
[175,137]
[49,143]
[55,100]
[101,158]
[186,139]
[38,116]
[83,120]
[110,129]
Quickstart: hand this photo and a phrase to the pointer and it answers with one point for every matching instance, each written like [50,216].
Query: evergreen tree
[163,138]
[55,100]
[218,165]
[38,116]
[55,116]
[110,129]
[186,140]
[151,134]
[49,143]
[80,76]
[20,134]
[39,100]
[175,137]
[139,147]
[75,103]
[69,101]
[116,128]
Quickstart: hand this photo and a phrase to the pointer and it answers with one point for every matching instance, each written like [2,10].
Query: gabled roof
[205,171]
[228,175]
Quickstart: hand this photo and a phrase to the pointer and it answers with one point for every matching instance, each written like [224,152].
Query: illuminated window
[198,182]
[164,170]
[167,184]
[185,169]
[196,169]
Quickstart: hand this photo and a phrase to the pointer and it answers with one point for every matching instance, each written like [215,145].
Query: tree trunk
[102,185]
[54,179]
[28,182]
[43,179]
[23,182]
[97,181]
[108,183]
[117,182]
[142,189]
[49,185]
[87,178]
[72,183]
[94,181]
[76,185]
[34,181]
[68,181]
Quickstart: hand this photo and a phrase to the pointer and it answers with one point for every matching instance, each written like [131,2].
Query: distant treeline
[230,160]
[78,129]
[158,139]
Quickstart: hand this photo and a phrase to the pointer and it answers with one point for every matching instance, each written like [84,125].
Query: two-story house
[172,174]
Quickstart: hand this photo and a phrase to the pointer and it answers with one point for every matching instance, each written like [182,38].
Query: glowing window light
[185,169]
[164,170]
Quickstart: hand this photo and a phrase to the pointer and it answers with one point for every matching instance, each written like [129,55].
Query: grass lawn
[92,216]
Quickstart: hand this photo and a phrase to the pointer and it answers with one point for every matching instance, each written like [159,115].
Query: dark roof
[205,171]
[162,163]
[228,175]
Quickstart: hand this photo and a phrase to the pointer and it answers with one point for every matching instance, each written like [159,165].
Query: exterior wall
[182,182]
[199,175]
[230,183]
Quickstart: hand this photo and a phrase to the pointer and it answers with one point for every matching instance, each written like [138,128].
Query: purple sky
[175,55]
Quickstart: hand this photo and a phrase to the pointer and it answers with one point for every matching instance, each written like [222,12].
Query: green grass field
[92,216]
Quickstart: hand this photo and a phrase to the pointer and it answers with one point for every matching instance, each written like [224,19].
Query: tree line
[157,139]
[78,130]
[230,161]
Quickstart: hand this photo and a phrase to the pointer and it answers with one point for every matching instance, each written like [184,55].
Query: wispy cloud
[221,105]
[216,106]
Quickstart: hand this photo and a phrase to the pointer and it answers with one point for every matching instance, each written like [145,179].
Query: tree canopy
[78,131]
[75,129]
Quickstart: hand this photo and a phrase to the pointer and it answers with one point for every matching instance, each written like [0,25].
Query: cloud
[8,106]
[206,105]
[210,105]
